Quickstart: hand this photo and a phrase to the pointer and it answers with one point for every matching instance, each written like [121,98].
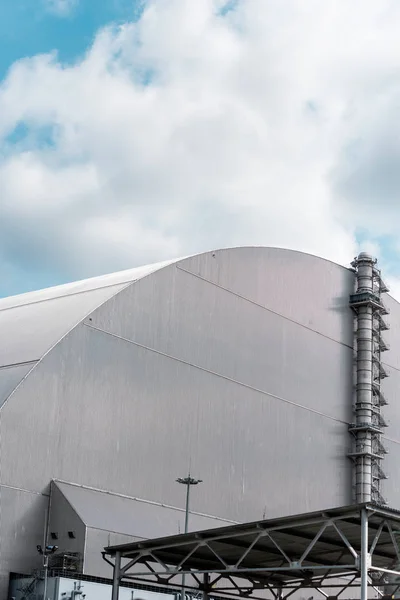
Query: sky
[134,131]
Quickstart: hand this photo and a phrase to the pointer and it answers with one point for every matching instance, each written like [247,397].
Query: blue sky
[133,132]
[29,27]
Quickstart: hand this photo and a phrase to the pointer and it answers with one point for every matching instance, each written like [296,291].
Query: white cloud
[192,129]
[61,8]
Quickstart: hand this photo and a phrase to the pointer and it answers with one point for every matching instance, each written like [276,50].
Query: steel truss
[331,553]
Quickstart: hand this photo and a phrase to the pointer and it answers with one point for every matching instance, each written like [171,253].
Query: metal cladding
[216,363]
[369,344]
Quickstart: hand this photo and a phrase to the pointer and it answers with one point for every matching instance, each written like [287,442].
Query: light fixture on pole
[188,481]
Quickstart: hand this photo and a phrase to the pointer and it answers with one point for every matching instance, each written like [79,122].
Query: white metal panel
[10,377]
[129,516]
[108,414]
[94,283]
[96,541]
[22,522]
[102,411]
[29,330]
[309,290]
[188,319]
[63,518]
[32,323]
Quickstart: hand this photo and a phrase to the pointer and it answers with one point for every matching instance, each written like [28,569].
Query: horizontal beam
[233,571]
[262,549]
[270,543]
[382,570]
[208,536]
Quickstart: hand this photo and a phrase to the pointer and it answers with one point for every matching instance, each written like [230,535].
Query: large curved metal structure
[237,364]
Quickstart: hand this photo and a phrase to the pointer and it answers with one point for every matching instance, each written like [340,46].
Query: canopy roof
[308,550]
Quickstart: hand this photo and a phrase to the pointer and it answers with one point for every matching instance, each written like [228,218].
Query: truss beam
[329,553]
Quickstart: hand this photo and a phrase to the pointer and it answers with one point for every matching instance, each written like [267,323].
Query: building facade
[237,365]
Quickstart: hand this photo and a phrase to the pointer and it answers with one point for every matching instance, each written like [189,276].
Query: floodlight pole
[188,481]
[46,575]
[364,554]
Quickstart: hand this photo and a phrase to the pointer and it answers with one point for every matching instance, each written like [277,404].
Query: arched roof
[33,323]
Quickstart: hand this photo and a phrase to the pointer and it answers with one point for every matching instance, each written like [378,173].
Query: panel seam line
[19,489]
[103,287]
[20,364]
[225,377]
[274,312]
[136,499]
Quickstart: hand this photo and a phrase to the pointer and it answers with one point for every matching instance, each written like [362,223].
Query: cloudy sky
[137,131]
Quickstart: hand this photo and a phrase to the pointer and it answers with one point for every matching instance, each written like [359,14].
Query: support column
[206,586]
[364,556]
[116,577]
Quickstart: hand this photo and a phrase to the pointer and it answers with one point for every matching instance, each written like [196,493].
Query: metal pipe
[364,555]
[116,577]
[364,403]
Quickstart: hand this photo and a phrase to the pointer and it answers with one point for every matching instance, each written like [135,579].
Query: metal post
[364,555]
[188,481]
[45,555]
[187,506]
[116,577]
[46,569]
[206,586]
[186,526]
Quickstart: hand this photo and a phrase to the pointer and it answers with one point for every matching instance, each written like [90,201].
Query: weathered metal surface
[85,285]
[10,377]
[238,365]
[32,323]
[64,519]
[96,539]
[99,519]
[22,520]
[30,330]
[310,290]
[130,420]
[127,515]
